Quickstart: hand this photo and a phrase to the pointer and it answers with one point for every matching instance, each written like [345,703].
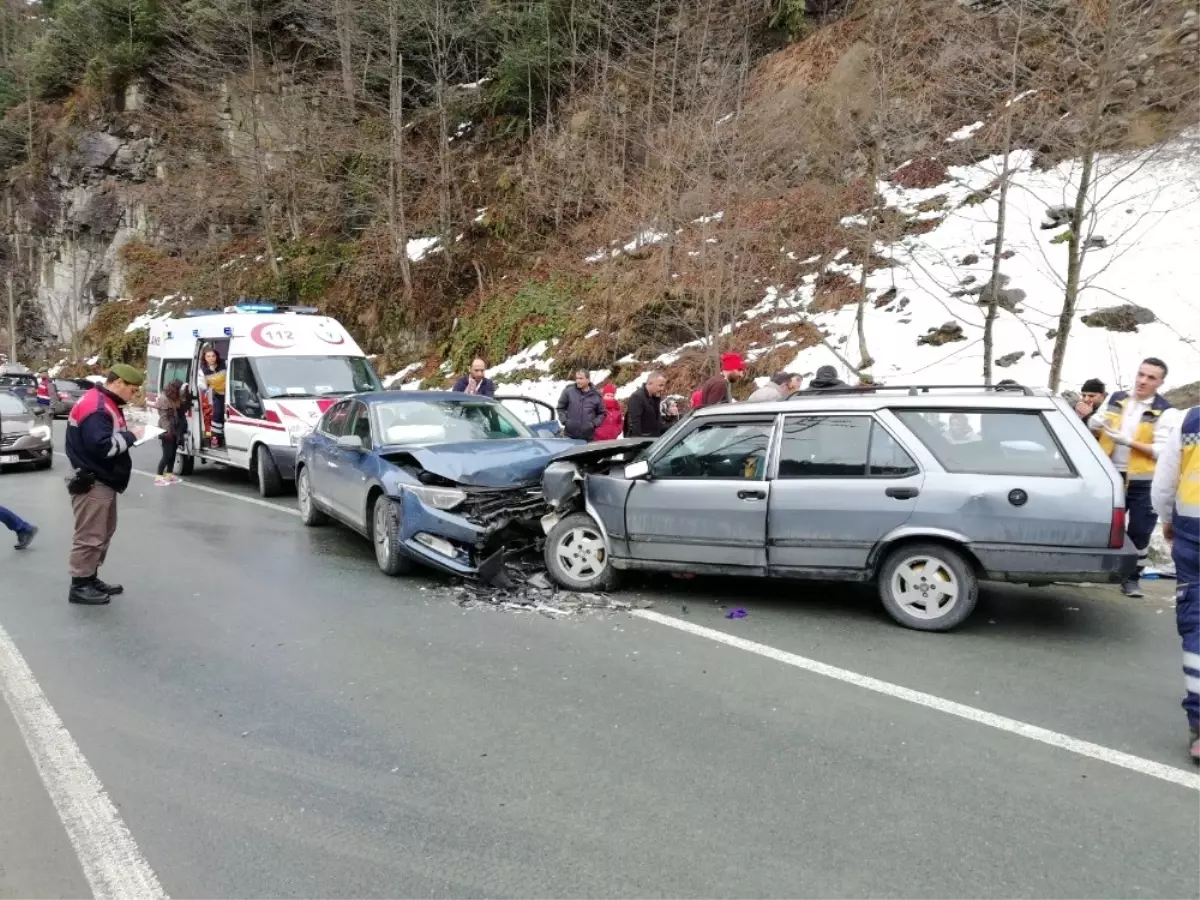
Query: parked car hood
[507,463]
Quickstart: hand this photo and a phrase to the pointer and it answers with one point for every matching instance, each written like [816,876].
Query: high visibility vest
[1141,465]
[1186,519]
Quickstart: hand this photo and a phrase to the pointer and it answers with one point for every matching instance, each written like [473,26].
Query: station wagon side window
[719,450]
[336,420]
[989,441]
[825,447]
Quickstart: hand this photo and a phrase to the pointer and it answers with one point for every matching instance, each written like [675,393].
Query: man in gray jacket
[781,386]
[581,408]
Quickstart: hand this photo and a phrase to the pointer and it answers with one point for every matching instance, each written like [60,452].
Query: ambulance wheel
[385,535]
[185,464]
[270,482]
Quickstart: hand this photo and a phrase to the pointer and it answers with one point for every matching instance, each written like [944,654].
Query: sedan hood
[496,464]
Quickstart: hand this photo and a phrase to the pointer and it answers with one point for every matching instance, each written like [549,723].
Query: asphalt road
[270,716]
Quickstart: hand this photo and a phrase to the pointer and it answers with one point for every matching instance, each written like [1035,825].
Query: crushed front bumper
[470,540]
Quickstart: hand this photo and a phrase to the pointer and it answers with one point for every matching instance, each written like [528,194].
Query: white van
[285,367]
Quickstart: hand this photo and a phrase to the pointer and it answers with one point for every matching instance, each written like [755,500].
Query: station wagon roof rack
[913,390]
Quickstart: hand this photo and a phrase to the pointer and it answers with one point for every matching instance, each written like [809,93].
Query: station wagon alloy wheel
[577,556]
[925,587]
[930,587]
[581,552]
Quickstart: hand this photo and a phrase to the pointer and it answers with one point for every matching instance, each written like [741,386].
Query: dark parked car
[429,476]
[67,392]
[24,433]
[20,380]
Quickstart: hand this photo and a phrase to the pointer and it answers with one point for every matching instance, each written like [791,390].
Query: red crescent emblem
[275,335]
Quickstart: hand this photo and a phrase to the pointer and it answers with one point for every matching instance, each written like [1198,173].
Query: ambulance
[284,367]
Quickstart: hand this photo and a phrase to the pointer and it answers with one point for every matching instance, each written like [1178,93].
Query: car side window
[825,447]
[337,419]
[243,387]
[176,370]
[718,450]
[989,441]
[360,423]
[888,459]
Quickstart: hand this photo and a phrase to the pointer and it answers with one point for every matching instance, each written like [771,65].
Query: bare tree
[1100,37]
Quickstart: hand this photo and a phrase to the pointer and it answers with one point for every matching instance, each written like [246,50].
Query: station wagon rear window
[988,442]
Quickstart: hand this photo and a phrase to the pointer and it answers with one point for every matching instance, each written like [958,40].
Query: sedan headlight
[437,497]
[41,432]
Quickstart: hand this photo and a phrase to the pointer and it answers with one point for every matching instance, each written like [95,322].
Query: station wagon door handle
[752,495]
[902,493]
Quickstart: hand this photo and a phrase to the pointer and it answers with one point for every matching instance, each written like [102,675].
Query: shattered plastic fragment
[736,614]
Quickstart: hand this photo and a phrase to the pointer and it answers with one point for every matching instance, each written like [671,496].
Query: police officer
[1132,431]
[98,444]
[1176,493]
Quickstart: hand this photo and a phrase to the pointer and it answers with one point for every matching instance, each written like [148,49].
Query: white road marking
[970,713]
[265,504]
[110,859]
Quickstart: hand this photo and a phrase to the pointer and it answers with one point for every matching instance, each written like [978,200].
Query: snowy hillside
[1146,228]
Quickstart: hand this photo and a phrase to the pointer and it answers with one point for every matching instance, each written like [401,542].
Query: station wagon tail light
[272,416]
[1116,533]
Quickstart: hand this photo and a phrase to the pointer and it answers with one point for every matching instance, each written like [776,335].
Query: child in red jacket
[610,428]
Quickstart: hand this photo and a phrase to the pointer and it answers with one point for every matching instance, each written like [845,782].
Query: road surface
[270,716]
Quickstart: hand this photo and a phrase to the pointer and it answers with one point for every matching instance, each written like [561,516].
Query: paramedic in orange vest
[1133,430]
[1176,495]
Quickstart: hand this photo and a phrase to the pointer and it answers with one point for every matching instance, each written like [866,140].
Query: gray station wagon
[924,490]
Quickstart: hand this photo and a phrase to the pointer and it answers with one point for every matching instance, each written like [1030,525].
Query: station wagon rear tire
[577,556]
[270,482]
[928,587]
[385,537]
[310,515]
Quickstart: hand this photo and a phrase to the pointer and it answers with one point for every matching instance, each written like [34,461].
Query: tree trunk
[260,178]
[396,209]
[1074,267]
[344,23]
[865,363]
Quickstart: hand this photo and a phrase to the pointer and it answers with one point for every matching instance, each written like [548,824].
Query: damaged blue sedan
[447,480]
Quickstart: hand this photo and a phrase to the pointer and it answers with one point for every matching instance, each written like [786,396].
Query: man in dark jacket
[643,411]
[581,408]
[476,382]
[719,388]
[826,379]
[98,444]
[1091,399]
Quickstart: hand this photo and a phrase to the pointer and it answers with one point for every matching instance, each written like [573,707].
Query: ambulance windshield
[315,376]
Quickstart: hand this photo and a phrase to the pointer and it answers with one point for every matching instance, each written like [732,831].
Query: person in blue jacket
[476,382]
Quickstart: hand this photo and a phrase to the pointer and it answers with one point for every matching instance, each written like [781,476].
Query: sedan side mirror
[551,428]
[637,470]
[350,442]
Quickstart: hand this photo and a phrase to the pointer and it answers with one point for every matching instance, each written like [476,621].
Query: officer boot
[84,590]
[110,589]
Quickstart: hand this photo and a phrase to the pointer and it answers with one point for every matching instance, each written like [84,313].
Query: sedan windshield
[11,405]
[428,422]
[314,376]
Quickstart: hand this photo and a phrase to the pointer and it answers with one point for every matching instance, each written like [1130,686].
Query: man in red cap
[719,388]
